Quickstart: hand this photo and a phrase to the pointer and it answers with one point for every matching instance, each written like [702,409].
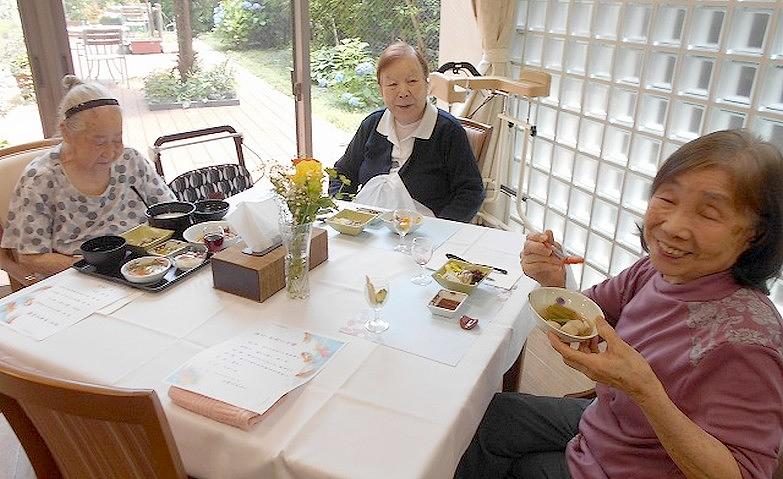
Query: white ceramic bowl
[387,220]
[134,270]
[195,233]
[543,297]
[461,298]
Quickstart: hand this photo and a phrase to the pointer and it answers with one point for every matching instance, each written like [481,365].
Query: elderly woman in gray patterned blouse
[81,188]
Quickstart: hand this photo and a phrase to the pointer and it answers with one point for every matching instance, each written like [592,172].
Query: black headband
[90,104]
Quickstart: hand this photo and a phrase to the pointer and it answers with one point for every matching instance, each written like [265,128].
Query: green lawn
[274,66]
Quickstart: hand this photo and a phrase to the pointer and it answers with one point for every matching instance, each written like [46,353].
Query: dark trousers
[522,436]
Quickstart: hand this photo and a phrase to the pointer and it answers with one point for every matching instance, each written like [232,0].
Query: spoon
[140,197]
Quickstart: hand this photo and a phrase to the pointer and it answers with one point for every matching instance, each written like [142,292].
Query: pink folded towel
[214,409]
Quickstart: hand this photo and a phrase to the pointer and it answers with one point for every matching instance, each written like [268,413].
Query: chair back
[216,181]
[102,41]
[77,430]
[478,137]
[13,161]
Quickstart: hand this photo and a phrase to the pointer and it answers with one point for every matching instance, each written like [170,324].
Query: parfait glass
[403,222]
[421,250]
[376,292]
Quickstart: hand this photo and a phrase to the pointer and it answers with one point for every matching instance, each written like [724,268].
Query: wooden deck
[264,116]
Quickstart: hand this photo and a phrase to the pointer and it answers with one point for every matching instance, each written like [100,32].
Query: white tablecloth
[373,412]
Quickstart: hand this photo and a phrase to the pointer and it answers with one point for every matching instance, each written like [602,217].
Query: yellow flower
[308,170]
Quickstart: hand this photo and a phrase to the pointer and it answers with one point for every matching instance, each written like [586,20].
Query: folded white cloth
[388,191]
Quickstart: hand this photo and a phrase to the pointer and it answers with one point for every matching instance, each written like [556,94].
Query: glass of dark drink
[214,237]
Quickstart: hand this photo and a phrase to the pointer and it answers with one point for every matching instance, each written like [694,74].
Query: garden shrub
[243,24]
[20,69]
[166,86]
[347,68]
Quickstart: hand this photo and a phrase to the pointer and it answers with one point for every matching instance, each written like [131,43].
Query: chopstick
[494,268]
[558,250]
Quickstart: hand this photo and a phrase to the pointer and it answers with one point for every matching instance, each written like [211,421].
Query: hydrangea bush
[349,69]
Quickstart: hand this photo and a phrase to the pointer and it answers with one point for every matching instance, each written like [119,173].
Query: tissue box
[259,277]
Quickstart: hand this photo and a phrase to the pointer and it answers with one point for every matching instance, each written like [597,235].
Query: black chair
[209,182]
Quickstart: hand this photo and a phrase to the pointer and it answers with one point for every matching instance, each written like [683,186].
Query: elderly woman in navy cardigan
[426,145]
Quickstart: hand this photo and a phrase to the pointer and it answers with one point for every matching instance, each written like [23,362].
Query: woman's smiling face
[695,225]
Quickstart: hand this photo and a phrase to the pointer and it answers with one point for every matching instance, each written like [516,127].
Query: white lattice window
[631,82]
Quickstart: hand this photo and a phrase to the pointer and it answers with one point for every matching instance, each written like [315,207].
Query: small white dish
[147,269]
[189,260]
[195,233]
[443,303]
[544,297]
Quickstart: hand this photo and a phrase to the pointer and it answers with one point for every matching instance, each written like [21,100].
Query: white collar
[424,131]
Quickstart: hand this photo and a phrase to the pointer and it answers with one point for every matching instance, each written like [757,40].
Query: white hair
[77,91]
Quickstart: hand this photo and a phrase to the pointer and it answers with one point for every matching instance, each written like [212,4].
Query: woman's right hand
[539,261]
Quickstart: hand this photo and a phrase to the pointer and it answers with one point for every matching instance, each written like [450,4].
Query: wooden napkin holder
[259,277]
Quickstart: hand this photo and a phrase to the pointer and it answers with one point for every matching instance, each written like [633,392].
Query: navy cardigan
[441,173]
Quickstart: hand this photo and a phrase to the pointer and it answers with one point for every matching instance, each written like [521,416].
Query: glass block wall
[631,82]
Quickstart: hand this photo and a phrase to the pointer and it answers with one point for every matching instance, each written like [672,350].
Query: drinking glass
[421,250]
[376,293]
[403,222]
[214,236]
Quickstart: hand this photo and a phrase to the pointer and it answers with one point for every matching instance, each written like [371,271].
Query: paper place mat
[41,311]
[414,329]
[255,369]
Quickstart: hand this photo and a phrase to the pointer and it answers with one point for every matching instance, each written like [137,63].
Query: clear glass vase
[296,239]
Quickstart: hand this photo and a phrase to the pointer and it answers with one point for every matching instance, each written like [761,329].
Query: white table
[373,412]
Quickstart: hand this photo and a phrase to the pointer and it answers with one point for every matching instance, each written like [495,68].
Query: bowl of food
[569,314]
[144,236]
[350,222]
[171,215]
[210,210]
[104,251]
[169,248]
[195,234]
[447,303]
[147,269]
[461,276]
[190,259]
[388,220]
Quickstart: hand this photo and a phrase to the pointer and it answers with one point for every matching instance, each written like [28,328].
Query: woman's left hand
[619,366]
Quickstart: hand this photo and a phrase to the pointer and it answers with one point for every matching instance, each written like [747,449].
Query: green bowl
[440,276]
[350,222]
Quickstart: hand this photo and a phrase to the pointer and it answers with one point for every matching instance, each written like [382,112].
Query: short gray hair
[78,91]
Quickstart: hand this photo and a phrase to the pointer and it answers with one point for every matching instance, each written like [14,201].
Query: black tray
[172,276]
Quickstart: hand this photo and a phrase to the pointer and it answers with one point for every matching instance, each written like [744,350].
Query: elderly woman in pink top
[690,383]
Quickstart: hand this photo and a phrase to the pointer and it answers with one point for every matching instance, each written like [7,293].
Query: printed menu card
[255,369]
[40,311]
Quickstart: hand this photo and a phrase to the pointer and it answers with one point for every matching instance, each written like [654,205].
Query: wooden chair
[13,161]
[76,430]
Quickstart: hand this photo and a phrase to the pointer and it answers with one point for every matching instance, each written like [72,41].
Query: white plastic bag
[388,191]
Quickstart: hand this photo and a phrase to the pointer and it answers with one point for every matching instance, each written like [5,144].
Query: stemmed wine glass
[403,222]
[376,294]
[421,250]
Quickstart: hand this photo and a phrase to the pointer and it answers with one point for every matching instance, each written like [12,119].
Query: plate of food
[447,303]
[195,234]
[145,236]
[168,248]
[350,222]
[147,269]
[461,276]
[569,314]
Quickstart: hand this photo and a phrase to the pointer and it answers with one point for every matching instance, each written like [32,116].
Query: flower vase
[296,239]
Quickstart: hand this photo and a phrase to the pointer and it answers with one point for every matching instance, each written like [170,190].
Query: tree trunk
[186,56]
